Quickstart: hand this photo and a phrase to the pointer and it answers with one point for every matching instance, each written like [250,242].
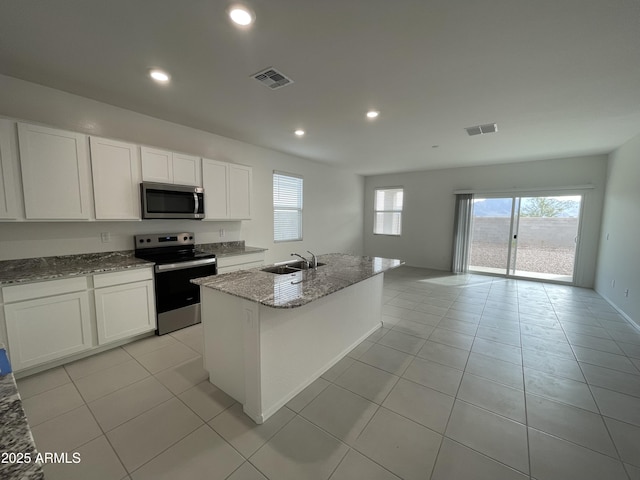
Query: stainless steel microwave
[163,200]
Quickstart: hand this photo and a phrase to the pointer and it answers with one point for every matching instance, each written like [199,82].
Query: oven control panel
[153,240]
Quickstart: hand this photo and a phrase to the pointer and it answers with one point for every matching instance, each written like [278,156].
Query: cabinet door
[186,170]
[55,173]
[8,166]
[156,165]
[239,192]
[214,180]
[46,329]
[124,310]
[116,179]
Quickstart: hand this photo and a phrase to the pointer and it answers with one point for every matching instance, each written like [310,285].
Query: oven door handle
[167,267]
[197,202]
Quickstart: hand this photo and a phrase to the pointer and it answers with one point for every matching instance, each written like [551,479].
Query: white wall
[619,255]
[427,221]
[332,197]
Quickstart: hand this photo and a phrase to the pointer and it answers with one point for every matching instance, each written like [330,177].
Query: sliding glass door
[525,236]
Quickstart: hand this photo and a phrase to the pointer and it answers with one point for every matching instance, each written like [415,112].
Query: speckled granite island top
[228,249]
[48,268]
[300,288]
[15,434]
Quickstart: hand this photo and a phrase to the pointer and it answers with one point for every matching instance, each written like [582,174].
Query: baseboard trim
[617,309]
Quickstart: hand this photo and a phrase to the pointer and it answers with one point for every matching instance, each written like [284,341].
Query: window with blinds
[287,207]
[388,211]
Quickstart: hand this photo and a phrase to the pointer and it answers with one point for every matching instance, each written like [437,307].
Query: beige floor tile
[455,461]
[385,358]
[41,382]
[356,465]
[370,382]
[359,350]
[552,364]
[209,458]
[493,369]
[97,362]
[561,389]
[400,445]
[340,412]
[128,402]
[547,347]
[627,440]
[500,351]
[597,343]
[605,359]
[444,354]
[243,433]
[149,344]
[498,334]
[452,338]
[47,405]
[98,461]
[206,400]
[556,459]
[66,432]
[420,404]
[402,341]
[570,423]
[612,379]
[183,376]
[99,384]
[301,400]
[300,450]
[338,369]
[247,472]
[434,375]
[416,329]
[166,357]
[492,396]
[634,472]
[493,435]
[141,439]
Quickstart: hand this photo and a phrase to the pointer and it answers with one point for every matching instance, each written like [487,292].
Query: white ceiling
[560,77]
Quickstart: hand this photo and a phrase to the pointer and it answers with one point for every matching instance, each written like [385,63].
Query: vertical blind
[461,233]
[388,211]
[287,207]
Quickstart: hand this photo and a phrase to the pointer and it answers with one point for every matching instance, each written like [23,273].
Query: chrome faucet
[306,262]
[310,264]
[314,261]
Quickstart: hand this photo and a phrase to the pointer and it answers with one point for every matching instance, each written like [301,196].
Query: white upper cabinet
[55,173]
[186,170]
[215,177]
[163,166]
[116,179]
[240,182]
[9,205]
[227,190]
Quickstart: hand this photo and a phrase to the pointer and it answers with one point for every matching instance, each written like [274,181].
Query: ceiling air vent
[272,78]
[480,129]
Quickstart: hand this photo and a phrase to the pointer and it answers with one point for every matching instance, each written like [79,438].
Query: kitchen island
[268,336]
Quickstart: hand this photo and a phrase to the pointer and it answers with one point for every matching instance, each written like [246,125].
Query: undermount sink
[286,268]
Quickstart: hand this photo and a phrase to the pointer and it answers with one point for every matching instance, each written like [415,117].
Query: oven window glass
[175,290]
[162,201]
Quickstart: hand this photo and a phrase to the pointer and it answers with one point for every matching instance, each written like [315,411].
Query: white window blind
[287,207]
[388,211]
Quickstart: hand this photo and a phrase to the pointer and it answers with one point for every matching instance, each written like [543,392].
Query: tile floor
[471,377]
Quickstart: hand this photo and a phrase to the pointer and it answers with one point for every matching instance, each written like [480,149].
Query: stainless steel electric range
[177,262]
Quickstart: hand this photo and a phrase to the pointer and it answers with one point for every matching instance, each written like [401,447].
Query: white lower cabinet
[40,330]
[124,304]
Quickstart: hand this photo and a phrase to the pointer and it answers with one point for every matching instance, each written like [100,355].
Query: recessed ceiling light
[372,114]
[299,132]
[159,76]
[241,15]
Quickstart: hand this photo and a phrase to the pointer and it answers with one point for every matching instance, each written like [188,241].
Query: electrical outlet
[607,236]
[105,237]
[626,292]
[613,284]
[221,232]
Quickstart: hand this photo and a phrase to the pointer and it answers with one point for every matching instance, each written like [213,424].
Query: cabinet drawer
[123,276]
[17,293]
[224,262]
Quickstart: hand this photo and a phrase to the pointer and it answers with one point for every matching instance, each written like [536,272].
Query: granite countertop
[228,249]
[297,289]
[15,434]
[48,268]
